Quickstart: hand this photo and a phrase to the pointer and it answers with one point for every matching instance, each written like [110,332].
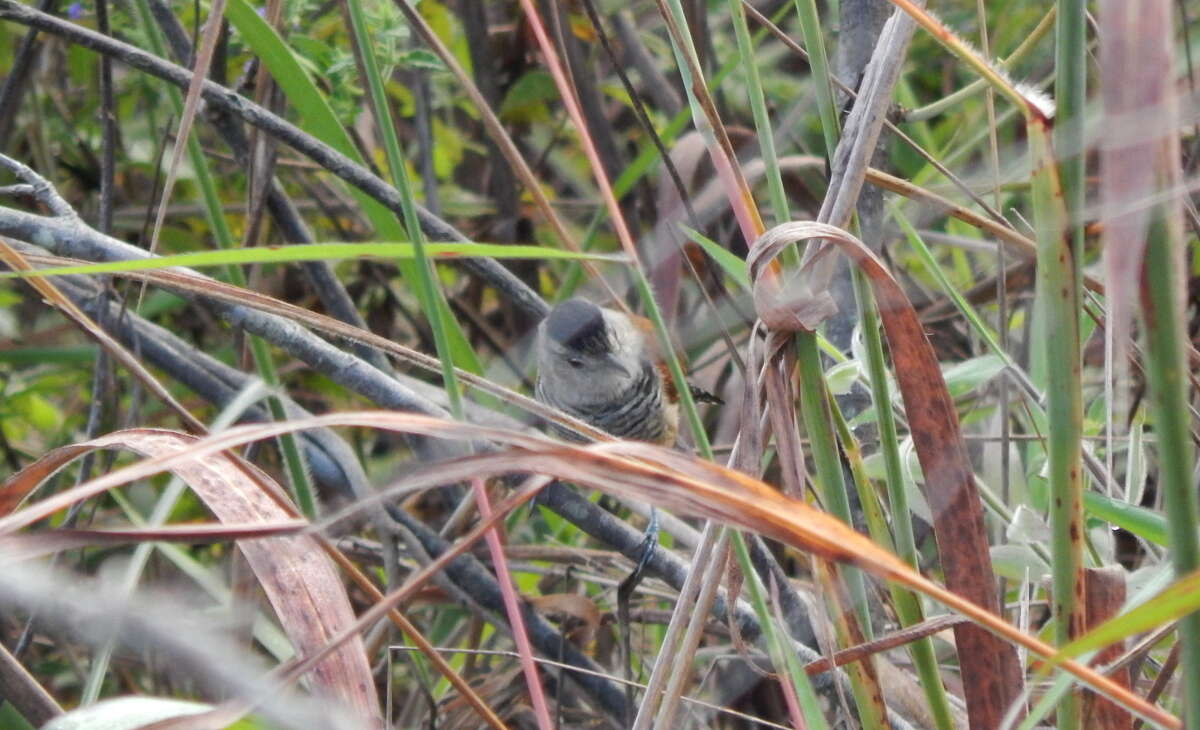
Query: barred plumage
[637,413]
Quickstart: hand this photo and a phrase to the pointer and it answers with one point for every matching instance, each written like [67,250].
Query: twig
[15,83]
[41,189]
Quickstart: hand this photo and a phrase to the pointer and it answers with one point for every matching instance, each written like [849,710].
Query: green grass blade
[758,106]
[318,252]
[818,61]
[1058,296]
[1166,375]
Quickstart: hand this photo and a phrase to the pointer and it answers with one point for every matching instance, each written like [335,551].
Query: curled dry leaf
[794,308]
[297,577]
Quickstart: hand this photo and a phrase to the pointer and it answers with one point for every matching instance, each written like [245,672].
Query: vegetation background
[265,426]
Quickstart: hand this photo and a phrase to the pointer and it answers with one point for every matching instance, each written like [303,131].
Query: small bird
[600,366]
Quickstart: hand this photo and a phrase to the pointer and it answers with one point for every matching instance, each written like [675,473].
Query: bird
[602,366]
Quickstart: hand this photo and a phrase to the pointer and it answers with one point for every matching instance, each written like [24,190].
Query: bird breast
[643,412]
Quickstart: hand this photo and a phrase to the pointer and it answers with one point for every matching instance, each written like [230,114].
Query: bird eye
[575,362]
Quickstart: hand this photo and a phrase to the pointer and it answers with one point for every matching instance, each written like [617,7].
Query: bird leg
[625,593]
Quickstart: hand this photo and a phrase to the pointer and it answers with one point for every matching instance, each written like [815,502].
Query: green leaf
[526,99]
[449,145]
[60,355]
[312,52]
[1135,472]
[421,59]
[10,719]
[842,376]
[1142,522]
[318,117]
[1018,562]
[445,26]
[38,411]
[968,375]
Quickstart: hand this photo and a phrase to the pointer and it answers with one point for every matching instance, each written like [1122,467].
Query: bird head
[588,354]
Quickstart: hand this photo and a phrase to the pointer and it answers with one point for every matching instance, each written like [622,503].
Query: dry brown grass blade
[638,471]
[576,606]
[987,662]
[20,485]
[716,136]
[1029,100]
[301,584]
[1105,598]
[1014,242]
[26,695]
[886,642]
[191,103]
[234,709]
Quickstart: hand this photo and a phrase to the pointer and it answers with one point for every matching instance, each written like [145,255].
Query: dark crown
[579,325]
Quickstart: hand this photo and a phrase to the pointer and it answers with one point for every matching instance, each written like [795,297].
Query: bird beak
[611,361]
